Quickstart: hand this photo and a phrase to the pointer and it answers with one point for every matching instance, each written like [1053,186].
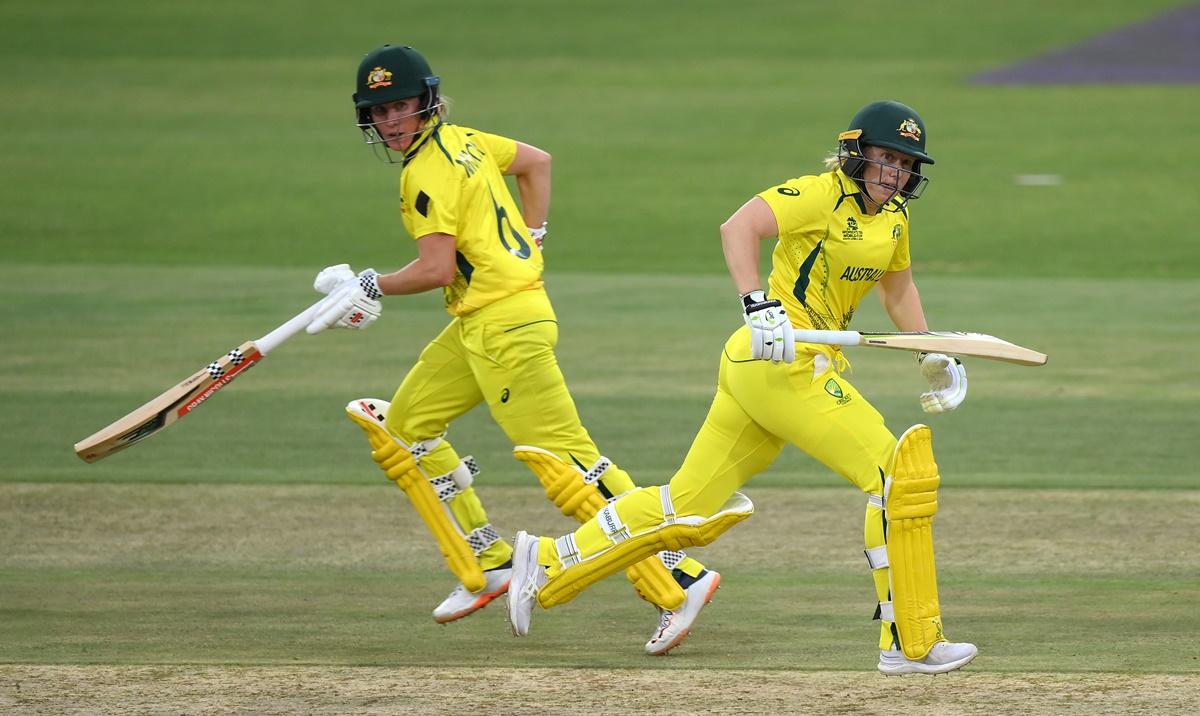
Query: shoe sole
[480,603]
[918,668]
[708,597]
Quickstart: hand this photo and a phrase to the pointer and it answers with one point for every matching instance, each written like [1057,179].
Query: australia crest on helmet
[909,129]
[379,77]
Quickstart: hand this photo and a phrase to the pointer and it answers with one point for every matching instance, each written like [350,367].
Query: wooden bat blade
[978,345]
[169,407]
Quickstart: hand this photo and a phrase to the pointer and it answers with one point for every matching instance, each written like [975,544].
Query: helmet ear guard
[850,153]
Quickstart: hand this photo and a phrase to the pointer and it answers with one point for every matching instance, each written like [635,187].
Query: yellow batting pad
[576,494]
[564,584]
[911,502]
[401,467]
[564,484]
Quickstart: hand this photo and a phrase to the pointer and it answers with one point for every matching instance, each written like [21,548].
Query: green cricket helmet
[888,124]
[391,73]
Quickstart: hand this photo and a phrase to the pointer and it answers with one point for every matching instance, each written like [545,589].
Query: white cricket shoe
[944,656]
[462,602]
[527,578]
[674,626]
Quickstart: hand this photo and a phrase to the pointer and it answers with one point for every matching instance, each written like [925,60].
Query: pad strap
[568,551]
[593,475]
[483,537]
[672,558]
[877,557]
[421,448]
[610,522]
[886,612]
[455,482]
[668,507]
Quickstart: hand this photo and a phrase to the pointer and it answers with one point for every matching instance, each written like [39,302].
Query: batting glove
[331,277]
[538,234]
[771,336]
[947,382]
[350,305]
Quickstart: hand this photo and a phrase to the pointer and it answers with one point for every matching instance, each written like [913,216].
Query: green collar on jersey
[856,191]
[430,131]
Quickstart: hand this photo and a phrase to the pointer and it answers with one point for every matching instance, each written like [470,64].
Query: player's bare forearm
[741,236]
[902,301]
[433,268]
[741,256]
[416,277]
[531,167]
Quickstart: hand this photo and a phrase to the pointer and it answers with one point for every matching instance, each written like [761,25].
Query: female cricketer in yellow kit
[477,245]
[839,234]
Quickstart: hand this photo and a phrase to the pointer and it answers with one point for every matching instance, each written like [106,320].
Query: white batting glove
[538,234]
[331,277]
[947,382]
[350,305]
[771,335]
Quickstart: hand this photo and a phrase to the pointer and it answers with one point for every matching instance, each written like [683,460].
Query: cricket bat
[174,404]
[977,345]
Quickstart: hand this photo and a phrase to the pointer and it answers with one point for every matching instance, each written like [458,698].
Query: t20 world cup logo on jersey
[852,232]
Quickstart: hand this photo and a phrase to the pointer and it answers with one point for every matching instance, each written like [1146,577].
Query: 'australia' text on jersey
[862,273]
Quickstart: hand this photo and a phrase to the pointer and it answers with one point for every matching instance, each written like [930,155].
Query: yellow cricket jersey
[830,251]
[453,183]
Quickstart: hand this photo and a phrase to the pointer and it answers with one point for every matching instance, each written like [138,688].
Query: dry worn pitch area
[338,690]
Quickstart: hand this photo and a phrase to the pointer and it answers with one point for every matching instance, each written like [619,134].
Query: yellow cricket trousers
[759,407]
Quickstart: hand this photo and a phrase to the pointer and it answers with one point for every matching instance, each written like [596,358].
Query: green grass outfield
[174,174]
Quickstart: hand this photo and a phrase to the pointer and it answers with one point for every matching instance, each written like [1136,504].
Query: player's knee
[413,431]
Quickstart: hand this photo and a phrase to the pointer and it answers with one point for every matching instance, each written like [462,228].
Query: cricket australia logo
[909,129]
[832,387]
[896,230]
[379,77]
[852,232]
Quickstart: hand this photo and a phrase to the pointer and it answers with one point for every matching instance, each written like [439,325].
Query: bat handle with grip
[828,338]
[293,326]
